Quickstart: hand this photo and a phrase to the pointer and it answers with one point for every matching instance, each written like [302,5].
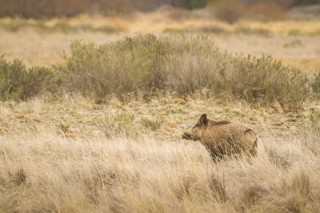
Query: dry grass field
[283,39]
[51,47]
[68,152]
[73,155]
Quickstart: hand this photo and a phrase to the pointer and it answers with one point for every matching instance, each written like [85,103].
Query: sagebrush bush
[189,4]
[182,64]
[126,66]
[264,80]
[20,83]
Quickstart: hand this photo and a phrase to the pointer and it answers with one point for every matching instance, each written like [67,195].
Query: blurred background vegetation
[50,8]
[177,64]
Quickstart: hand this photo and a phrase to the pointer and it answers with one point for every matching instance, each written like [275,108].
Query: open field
[72,155]
[293,42]
[85,145]
[299,51]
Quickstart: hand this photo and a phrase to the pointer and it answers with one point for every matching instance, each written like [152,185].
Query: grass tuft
[152,123]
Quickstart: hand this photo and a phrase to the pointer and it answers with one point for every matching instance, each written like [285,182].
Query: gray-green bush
[264,80]
[19,83]
[182,64]
[189,4]
[126,66]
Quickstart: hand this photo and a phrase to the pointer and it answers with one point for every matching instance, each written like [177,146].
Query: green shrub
[189,4]
[182,64]
[19,83]
[305,2]
[254,79]
[264,80]
[126,66]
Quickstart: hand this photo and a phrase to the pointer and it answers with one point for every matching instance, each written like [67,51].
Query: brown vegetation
[43,8]
[61,8]
[84,165]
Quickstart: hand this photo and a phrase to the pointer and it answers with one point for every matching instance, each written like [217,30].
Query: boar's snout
[186,136]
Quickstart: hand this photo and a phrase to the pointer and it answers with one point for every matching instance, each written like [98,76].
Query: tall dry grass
[47,172]
[73,155]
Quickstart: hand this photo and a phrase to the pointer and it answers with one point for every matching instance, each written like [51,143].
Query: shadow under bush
[183,64]
[20,83]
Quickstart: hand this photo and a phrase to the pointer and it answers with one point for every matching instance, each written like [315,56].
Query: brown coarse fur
[223,138]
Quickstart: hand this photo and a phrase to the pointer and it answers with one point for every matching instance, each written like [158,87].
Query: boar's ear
[203,119]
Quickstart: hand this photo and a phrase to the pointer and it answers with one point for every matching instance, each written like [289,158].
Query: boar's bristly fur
[223,138]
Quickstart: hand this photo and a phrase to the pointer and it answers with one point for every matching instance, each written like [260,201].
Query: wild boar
[223,138]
